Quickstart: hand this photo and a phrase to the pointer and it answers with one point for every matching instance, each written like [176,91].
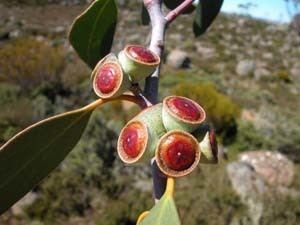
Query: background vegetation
[41,76]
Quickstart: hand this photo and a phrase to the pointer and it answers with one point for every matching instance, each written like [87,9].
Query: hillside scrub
[38,80]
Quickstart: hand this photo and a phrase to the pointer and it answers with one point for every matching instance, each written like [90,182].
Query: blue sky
[274,10]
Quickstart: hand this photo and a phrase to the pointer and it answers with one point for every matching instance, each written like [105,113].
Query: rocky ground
[255,63]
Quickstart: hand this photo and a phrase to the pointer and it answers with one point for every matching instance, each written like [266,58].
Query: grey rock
[205,52]
[294,91]
[245,181]
[249,186]
[268,55]
[261,73]
[134,38]
[180,27]
[17,209]
[227,37]
[36,222]
[178,59]
[295,72]
[144,185]
[176,37]
[273,167]
[255,38]
[241,22]
[245,67]
[59,30]
[123,3]
[15,34]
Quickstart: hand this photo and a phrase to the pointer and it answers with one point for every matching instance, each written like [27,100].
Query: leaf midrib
[94,30]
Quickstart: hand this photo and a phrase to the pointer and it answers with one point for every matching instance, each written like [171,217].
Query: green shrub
[8,93]
[287,137]
[220,109]
[283,75]
[30,63]
[277,130]
[15,116]
[249,138]
[18,111]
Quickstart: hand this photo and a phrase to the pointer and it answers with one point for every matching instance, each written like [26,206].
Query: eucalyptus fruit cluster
[113,75]
[174,133]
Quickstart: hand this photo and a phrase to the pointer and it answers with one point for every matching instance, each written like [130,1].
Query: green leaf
[34,152]
[163,213]
[206,12]
[93,31]
[145,15]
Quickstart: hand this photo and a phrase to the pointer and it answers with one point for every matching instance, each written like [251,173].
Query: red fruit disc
[178,152]
[133,139]
[141,53]
[184,108]
[107,78]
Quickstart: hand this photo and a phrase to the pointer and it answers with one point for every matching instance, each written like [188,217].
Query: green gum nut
[209,148]
[182,113]
[138,139]
[138,62]
[108,78]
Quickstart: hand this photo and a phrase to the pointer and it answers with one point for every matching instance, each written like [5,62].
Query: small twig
[172,15]
[137,91]
[131,98]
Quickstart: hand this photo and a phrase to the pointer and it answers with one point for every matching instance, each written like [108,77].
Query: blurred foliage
[281,209]
[220,109]
[16,111]
[206,197]
[9,93]
[25,2]
[275,129]
[248,138]
[92,186]
[37,2]
[15,120]
[283,75]
[287,136]
[30,63]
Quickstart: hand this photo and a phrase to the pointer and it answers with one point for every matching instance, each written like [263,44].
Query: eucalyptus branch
[159,24]
[172,15]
